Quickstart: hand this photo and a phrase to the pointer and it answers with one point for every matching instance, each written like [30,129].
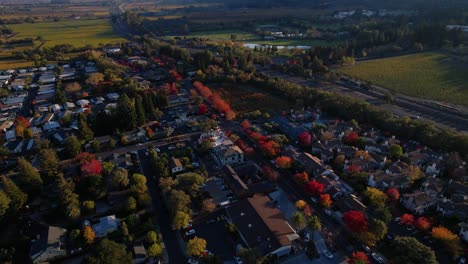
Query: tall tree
[119,178]
[49,165]
[126,114]
[181,220]
[314,223]
[29,179]
[356,221]
[17,197]
[409,250]
[358,257]
[72,146]
[298,220]
[4,203]
[375,197]
[88,234]
[109,252]
[84,132]
[140,112]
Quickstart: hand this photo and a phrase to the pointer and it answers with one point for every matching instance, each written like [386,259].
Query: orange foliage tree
[358,257]
[393,194]
[283,162]
[442,233]
[422,223]
[325,200]
[300,204]
[301,178]
[407,219]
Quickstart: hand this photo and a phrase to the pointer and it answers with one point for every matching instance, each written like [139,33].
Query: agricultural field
[78,33]
[244,99]
[223,34]
[14,64]
[426,75]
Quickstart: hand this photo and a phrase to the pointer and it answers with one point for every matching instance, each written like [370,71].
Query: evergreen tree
[59,97]
[17,196]
[126,114]
[84,132]
[72,146]
[148,105]
[4,203]
[140,112]
[29,176]
[49,163]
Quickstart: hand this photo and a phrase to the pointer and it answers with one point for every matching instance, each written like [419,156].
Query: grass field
[295,42]
[426,75]
[244,99]
[223,34]
[78,33]
[14,64]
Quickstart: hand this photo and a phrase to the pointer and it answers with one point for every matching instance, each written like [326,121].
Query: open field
[223,34]
[425,75]
[78,33]
[244,99]
[295,42]
[14,64]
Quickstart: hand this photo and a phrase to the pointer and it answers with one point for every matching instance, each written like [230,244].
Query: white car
[171,148]
[192,261]
[328,212]
[307,237]
[190,232]
[157,149]
[239,260]
[397,219]
[328,254]
[313,199]
[377,258]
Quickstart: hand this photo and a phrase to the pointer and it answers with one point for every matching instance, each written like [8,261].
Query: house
[235,183]
[176,166]
[350,202]
[417,202]
[10,135]
[433,186]
[106,225]
[456,206]
[48,245]
[6,125]
[319,149]
[231,155]
[262,226]
[140,254]
[333,185]
[463,231]
[288,128]
[382,180]
[51,126]
[311,164]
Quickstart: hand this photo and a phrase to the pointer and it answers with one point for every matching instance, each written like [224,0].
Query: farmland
[78,33]
[426,75]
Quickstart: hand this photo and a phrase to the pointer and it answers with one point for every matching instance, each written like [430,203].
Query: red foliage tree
[354,169]
[84,157]
[91,167]
[356,221]
[407,219]
[325,200]
[271,175]
[358,257]
[393,194]
[269,148]
[202,109]
[245,124]
[315,188]
[305,138]
[301,178]
[351,137]
[422,223]
[283,162]
[22,121]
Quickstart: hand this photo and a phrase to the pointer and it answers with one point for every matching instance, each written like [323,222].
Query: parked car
[192,261]
[410,227]
[328,212]
[328,254]
[397,219]
[190,232]
[377,258]
[307,237]
[366,248]
[390,237]
[238,260]
[313,199]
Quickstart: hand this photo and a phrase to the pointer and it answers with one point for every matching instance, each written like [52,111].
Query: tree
[422,223]
[378,228]
[407,219]
[84,132]
[298,220]
[92,167]
[72,146]
[151,237]
[383,214]
[167,183]
[202,109]
[301,178]
[110,252]
[89,205]
[17,197]
[300,204]
[95,78]
[107,168]
[88,234]
[208,205]
[50,165]
[178,201]
[196,247]
[29,179]
[375,197]
[126,113]
[358,257]
[130,204]
[283,162]
[155,250]
[442,233]
[181,220]
[271,175]
[72,87]
[409,250]
[395,151]
[393,194]
[140,112]
[119,178]
[314,223]
[4,203]
[351,137]
[305,139]
[59,96]
[356,221]
[325,200]
[315,188]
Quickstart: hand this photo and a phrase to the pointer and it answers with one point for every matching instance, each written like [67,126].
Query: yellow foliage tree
[196,247]
[88,234]
[300,204]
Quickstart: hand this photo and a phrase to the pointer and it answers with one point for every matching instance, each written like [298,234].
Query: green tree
[49,165]
[155,250]
[140,112]
[126,114]
[395,151]
[59,96]
[17,197]
[29,179]
[409,250]
[375,197]
[314,223]
[109,252]
[119,178]
[92,187]
[130,204]
[181,220]
[107,168]
[378,228]
[178,201]
[382,214]
[298,220]
[190,182]
[84,132]
[196,247]
[4,203]
[89,205]
[72,146]
[151,237]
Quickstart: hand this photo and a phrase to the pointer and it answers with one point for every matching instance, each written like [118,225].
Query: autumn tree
[72,87]
[407,219]
[196,247]
[270,174]
[375,197]
[283,162]
[208,205]
[314,223]
[422,223]
[88,234]
[358,257]
[449,239]
[300,204]
[17,197]
[95,78]
[315,188]
[181,220]
[109,252]
[325,200]
[355,221]
[298,220]
[4,203]
[350,137]
[155,250]
[29,179]
[151,237]
[130,204]
[301,178]
[414,173]
[393,194]
[305,139]
[92,167]
[409,250]
[119,178]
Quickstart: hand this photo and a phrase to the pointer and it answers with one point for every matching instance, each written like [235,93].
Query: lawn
[223,34]
[245,98]
[78,33]
[426,75]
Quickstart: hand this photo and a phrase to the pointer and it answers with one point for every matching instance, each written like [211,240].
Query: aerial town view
[234,131]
